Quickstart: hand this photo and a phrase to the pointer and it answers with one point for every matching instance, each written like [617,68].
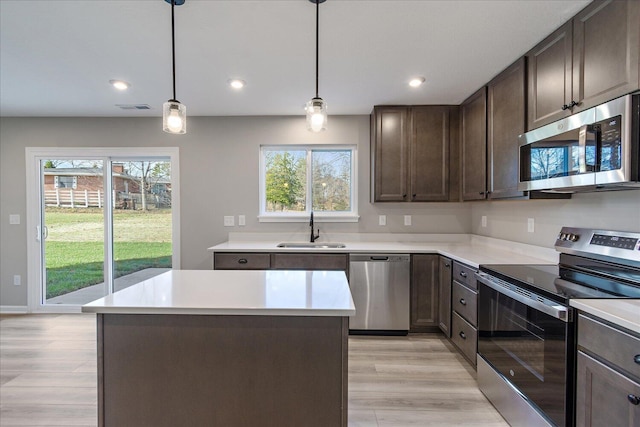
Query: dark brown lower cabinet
[444,300]
[215,370]
[605,397]
[424,293]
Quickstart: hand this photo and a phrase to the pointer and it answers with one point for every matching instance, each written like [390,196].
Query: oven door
[528,347]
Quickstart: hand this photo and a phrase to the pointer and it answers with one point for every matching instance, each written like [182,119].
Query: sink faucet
[313,237]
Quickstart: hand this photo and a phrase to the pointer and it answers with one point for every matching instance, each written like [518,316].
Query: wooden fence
[70,198]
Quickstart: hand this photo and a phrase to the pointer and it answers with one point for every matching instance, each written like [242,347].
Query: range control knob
[574,237]
[563,236]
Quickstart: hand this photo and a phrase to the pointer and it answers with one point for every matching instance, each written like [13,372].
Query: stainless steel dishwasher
[380,288]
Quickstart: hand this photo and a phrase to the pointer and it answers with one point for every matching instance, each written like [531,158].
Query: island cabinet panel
[424,293]
[307,261]
[179,370]
[444,300]
[590,60]
[473,113]
[506,120]
[241,261]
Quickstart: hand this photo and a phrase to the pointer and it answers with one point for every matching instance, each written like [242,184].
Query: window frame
[343,216]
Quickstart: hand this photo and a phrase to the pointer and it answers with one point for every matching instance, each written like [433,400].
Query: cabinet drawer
[464,301]
[609,343]
[241,261]
[464,274]
[464,336]
[297,261]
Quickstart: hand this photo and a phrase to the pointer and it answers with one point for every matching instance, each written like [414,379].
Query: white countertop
[622,312]
[233,292]
[473,251]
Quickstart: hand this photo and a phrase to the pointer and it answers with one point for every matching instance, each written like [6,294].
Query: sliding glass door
[103,223]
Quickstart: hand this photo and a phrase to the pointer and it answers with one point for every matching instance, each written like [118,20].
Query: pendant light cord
[317,43]
[173,47]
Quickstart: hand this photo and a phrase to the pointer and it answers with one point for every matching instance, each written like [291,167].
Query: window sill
[317,217]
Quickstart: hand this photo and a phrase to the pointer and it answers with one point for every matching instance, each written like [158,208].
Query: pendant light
[317,108]
[174,114]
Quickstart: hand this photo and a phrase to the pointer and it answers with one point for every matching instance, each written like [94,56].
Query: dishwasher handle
[379,258]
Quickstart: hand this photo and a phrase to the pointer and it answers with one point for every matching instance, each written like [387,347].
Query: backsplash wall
[614,210]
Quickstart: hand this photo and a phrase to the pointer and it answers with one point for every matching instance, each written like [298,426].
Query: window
[66,181]
[295,180]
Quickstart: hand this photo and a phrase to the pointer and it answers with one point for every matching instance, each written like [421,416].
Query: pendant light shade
[174,113]
[316,108]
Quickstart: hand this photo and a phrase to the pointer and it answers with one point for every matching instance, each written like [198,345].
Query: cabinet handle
[570,105]
[462,301]
[242,261]
[565,107]
[636,359]
[635,400]
[464,337]
[404,196]
[482,193]
[463,274]
[449,265]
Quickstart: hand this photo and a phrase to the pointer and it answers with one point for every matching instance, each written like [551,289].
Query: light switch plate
[382,220]
[407,220]
[530,225]
[229,221]
[242,220]
[14,219]
[17,280]
[484,220]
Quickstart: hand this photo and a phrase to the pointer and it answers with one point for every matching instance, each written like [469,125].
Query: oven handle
[559,312]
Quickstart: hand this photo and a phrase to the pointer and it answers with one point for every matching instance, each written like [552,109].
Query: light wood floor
[48,377]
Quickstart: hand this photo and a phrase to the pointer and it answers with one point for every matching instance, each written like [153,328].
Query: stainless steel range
[526,329]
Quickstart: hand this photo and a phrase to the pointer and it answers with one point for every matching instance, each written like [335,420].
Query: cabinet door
[606,47]
[505,121]
[605,397]
[429,153]
[424,292]
[549,75]
[391,150]
[444,300]
[474,146]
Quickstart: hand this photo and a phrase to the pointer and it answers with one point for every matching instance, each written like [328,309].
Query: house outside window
[296,180]
[65,181]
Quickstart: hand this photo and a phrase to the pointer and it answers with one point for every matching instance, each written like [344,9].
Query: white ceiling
[57,56]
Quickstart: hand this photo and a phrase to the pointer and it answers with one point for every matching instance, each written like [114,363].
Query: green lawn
[75,252]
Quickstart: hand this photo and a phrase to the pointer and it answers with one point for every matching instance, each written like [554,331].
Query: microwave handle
[588,133]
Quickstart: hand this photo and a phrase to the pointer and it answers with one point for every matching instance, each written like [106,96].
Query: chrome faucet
[317,236]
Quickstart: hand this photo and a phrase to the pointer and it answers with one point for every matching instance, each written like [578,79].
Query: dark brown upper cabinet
[591,59]
[410,153]
[473,135]
[506,116]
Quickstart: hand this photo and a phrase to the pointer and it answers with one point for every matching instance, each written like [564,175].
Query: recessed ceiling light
[416,81]
[120,84]
[237,83]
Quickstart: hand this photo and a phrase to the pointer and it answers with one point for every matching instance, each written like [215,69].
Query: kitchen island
[241,348]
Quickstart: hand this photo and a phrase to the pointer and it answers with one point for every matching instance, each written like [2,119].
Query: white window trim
[304,216]
[32,157]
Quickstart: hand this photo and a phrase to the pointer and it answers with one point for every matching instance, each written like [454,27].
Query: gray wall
[219,176]
[614,210]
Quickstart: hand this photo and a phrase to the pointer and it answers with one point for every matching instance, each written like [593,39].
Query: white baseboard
[13,309]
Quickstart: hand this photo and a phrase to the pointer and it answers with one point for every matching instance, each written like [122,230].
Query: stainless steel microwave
[594,150]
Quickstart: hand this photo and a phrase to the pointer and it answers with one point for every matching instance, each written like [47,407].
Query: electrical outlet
[17,280]
[229,221]
[242,220]
[407,220]
[14,219]
[382,220]
[484,220]
[530,225]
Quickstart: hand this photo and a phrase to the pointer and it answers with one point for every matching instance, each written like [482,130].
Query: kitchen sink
[297,245]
